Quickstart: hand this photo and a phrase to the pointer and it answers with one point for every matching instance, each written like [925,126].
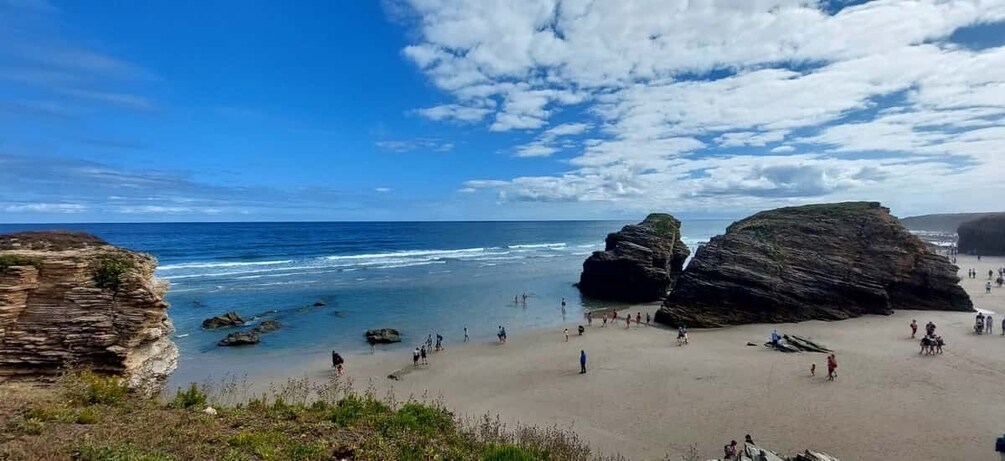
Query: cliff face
[830,262]
[640,263]
[984,236]
[68,298]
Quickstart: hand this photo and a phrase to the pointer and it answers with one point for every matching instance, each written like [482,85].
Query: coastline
[644,397]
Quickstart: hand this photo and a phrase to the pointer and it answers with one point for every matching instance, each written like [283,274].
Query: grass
[7,261]
[87,416]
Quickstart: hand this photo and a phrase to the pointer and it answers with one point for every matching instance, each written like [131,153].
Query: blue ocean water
[418,277]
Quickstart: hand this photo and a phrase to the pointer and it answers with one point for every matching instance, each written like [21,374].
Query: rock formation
[241,338]
[383,336]
[72,299]
[230,319]
[267,326]
[640,263]
[984,236]
[829,262]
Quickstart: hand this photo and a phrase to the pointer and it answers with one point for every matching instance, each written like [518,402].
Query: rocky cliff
[640,263]
[984,236]
[72,299]
[830,261]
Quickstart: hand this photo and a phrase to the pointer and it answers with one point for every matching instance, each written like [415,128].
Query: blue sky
[470,109]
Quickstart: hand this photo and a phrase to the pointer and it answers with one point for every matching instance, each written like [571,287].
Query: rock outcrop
[383,336]
[640,263]
[71,299]
[230,319]
[984,236]
[828,261]
[267,326]
[241,338]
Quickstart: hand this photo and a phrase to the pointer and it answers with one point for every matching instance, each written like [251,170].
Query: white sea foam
[208,265]
[536,246]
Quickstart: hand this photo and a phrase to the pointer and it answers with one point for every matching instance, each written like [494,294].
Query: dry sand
[644,397]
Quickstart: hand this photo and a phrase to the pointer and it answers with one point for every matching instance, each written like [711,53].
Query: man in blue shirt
[582,361]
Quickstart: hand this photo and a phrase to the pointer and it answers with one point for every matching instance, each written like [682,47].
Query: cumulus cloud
[698,100]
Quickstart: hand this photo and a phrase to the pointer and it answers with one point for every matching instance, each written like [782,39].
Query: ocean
[420,278]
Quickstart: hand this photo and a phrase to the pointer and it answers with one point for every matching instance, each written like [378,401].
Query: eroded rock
[383,336]
[230,319]
[240,338]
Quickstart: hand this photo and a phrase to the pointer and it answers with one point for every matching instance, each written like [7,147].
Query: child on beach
[914,328]
[648,318]
[832,365]
[566,332]
[813,369]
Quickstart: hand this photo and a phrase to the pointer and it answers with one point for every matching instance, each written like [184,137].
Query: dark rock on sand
[640,263]
[267,326]
[828,262]
[240,339]
[383,336]
[984,236]
[230,319]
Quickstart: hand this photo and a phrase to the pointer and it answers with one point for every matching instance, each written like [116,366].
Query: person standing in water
[465,334]
[563,303]
[582,362]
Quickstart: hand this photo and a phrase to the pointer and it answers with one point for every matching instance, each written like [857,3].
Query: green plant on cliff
[109,270]
[7,261]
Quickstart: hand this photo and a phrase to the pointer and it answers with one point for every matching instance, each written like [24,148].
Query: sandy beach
[644,397]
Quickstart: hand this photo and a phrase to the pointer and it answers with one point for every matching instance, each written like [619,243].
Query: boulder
[267,326]
[69,298]
[230,319]
[827,262]
[241,338]
[984,236]
[640,263]
[383,336]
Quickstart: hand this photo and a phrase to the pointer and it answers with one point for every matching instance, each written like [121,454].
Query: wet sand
[645,397]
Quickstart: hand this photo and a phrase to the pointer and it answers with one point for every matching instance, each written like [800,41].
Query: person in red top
[832,365]
[914,328]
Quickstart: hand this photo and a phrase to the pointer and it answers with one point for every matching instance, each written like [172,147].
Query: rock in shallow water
[230,319]
[640,263]
[242,338]
[267,326]
[828,261]
[383,336]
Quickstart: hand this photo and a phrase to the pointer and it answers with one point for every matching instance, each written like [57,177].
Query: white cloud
[45,208]
[425,144]
[454,112]
[382,190]
[668,82]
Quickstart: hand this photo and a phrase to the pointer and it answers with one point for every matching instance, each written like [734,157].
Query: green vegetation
[91,417]
[7,261]
[109,270]
[665,225]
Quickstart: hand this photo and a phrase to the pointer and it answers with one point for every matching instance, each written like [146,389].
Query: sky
[496,109]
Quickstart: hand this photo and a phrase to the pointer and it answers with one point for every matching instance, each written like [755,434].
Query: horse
[927,346]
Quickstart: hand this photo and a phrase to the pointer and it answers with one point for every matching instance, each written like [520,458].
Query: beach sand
[644,397]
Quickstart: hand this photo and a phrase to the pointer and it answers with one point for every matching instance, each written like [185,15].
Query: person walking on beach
[422,354]
[832,365]
[648,318]
[582,362]
[813,369]
[1003,326]
[987,288]
[605,319]
[681,335]
[415,357]
[338,362]
[581,330]
[914,328]
[566,332]
[638,318]
[563,303]
[439,342]
[628,321]
[501,334]
[988,325]
[429,341]
[465,334]
[589,318]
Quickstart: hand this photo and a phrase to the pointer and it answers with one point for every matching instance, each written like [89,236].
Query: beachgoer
[605,319]
[988,324]
[938,344]
[501,334]
[582,361]
[465,334]
[1003,326]
[730,450]
[415,357]
[614,315]
[566,333]
[628,321]
[813,369]
[914,328]
[581,330]
[563,303]
[589,318]
[525,297]
[987,288]
[638,318]
[439,342]
[929,329]
[516,299]
[747,439]
[832,365]
[339,362]
[648,318]
[429,341]
[334,361]
[990,273]
[681,335]
[422,354]
[775,338]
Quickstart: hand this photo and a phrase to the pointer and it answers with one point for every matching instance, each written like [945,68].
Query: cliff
[830,262]
[984,236]
[947,223]
[72,299]
[640,263]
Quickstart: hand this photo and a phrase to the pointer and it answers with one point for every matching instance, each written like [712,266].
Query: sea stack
[827,261]
[70,298]
[640,263]
[983,236]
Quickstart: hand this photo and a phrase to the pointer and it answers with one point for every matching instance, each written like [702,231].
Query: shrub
[91,388]
[509,453]
[192,397]
[7,261]
[109,271]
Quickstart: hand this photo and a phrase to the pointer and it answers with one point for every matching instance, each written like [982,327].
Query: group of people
[984,324]
[731,451]
[613,317]
[931,343]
